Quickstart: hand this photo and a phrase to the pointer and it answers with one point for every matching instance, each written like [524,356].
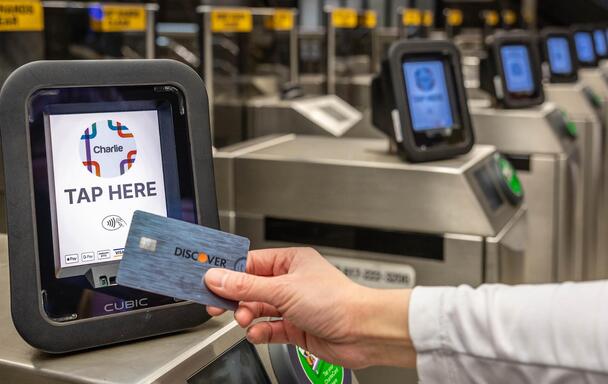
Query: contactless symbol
[113,223]
[424,79]
[517,69]
[241,264]
[108,148]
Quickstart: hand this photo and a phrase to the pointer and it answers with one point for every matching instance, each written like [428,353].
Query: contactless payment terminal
[91,143]
[419,101]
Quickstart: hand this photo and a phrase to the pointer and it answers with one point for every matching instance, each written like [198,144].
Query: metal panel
[354,181]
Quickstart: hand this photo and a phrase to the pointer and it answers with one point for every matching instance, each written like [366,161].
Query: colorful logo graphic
[424,79]
[108,149]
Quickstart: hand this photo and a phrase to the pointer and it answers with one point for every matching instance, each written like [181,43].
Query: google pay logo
[107,148]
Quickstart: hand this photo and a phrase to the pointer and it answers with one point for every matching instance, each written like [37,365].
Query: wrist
[383,322]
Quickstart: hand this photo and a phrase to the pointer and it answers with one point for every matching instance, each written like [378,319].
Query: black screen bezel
[584,64]
[571,77]
[25,293]
[434,138]
[65,297]
[517,100]
[409,146]
[603,33]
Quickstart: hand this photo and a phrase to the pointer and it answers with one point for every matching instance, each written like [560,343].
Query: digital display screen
[599,38]
[584,47]
[517,68]
[239,365]
[427,93]
[102,167]
[558,50]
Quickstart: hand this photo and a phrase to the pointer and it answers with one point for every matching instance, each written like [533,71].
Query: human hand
[320,309]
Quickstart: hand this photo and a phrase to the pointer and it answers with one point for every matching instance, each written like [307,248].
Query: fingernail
[215,277]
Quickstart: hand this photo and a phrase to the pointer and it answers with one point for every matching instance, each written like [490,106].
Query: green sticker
[319,371]
[510,175]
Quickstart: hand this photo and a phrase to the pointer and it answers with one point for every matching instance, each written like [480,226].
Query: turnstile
[442,223]
[581,104]
[551,168]
[215,352]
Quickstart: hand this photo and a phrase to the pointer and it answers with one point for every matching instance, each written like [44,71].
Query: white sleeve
[538,334]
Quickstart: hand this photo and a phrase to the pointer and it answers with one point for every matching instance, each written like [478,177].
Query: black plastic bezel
[584,28]
[26,296]
[417,147]
[510,100]
[545,35]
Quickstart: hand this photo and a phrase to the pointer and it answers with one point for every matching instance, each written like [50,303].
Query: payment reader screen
[427,93]
[517,69]
[600,42]
[559,55]
[584,47]
[104,167]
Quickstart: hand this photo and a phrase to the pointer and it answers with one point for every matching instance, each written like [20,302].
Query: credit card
[170,257]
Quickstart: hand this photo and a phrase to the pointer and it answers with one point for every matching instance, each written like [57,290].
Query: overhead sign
[509,17]
[280,20]
[491,18]
[21,16]
[454,17]
[231,20]
[118,18]
[368,19]
[411,17]
[344,18]
[428,18]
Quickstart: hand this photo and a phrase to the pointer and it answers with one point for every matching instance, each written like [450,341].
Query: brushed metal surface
[553,188]
[571,98]
[356,182]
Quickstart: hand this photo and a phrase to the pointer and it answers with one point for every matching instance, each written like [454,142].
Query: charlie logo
[425,80]
[200,257]
[107,148]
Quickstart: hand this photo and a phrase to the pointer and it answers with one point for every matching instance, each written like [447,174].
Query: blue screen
[559,55]
[584,47]
[518,71]
[427,95]
[600,42]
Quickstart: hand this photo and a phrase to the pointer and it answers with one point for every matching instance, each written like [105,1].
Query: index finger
[270,262]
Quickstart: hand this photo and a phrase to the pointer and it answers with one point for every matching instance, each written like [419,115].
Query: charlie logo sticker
[108,149]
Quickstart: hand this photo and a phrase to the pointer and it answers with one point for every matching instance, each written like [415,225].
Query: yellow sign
[509,17]
[454,17]
[411,17]
[368,19]
[281,20]
[344,18]
[491,18]
[231,20]
[118,18]
[21,16]
[428,18]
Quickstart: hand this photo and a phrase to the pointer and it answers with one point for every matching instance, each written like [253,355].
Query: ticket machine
[542,145]
[435,210]
[85,144]
[561,86]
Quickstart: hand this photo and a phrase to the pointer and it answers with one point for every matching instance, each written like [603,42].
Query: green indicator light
[570,125]
[319,371]
[510,175]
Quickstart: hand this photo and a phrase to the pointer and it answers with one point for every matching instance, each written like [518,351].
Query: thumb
[240,286]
